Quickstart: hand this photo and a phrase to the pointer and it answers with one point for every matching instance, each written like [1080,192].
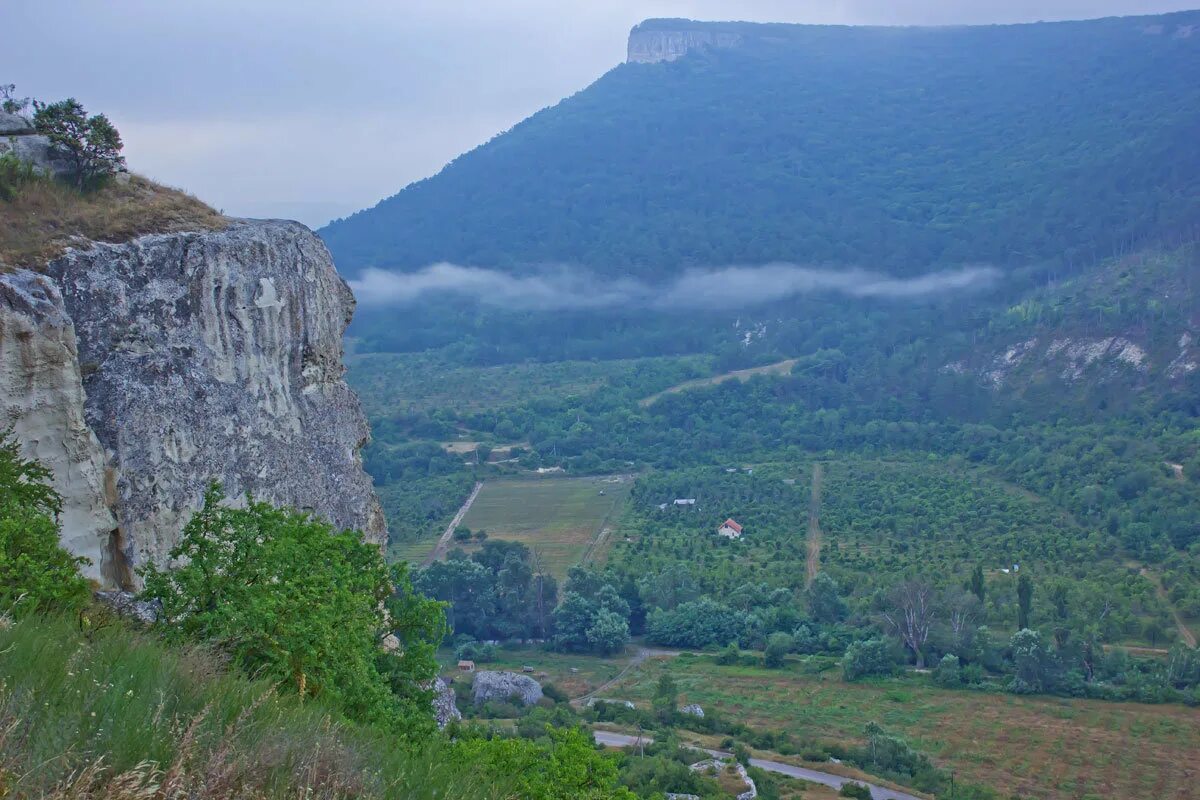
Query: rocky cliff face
[42,399]
[174,360]
[653,41]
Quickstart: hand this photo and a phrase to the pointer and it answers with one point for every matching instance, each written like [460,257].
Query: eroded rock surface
[505,686]
[218,356]
[42,399]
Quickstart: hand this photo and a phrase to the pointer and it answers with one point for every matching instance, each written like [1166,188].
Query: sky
[313,109]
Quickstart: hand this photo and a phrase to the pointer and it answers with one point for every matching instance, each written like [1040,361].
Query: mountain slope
[882,147]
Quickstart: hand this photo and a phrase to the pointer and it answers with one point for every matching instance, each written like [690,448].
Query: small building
[466,666]
[685,501]
[729,529]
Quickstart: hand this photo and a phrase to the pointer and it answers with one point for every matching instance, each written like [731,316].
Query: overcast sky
[315,108]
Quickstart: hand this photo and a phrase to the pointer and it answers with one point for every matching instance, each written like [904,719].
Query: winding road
[610,739]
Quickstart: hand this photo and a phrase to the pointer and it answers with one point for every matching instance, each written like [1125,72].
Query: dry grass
[45,218]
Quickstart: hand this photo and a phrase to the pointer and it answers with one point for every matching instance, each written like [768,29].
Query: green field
[1036,746]
[574,674]
[560,518]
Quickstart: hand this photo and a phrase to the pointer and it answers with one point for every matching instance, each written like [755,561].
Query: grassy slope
[41,221]
[77,711]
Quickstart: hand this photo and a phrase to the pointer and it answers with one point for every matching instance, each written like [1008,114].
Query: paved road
[811,775]
[440,548]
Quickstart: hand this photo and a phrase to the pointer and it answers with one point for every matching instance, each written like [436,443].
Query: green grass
[559,517]
[80,713]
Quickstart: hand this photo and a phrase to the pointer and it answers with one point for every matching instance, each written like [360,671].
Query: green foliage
[855,790]
[92,144]
[947,673]
[119,708]
[1024,600]
[495,593]
[569,767]
[778,646]
[868,658]
[302,605]
[36,573]
[15,173]
[701,623]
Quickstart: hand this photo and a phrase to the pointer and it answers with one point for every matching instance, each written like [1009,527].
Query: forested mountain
[901,149]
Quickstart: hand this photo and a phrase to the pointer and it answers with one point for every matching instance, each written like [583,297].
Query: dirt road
[610,739]
[443,543]
[1185,632]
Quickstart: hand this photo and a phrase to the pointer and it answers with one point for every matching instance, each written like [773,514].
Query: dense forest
[884,148]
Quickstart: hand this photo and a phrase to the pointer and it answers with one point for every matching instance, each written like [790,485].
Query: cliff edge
[141,371]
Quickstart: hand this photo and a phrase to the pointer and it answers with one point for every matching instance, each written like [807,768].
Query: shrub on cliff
[92,144]
[36,574]
[293,600]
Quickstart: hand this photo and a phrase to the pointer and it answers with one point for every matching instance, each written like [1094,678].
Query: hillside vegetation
[896,148]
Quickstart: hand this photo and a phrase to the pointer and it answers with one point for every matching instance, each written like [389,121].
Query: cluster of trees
[498,592]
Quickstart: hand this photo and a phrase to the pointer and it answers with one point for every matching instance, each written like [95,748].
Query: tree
[946,673]
[1024,600]
[1030,663]
[778,646]
[92,144]
[666,694]
[36,574]
[825,601]
[978,585]
[909,614]
[292,600]
[866,658]
[608,633]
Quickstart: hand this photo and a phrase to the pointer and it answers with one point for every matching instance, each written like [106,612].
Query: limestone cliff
[667,40]
[176,359]
[42,400]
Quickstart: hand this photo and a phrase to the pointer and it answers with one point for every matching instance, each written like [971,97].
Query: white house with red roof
[730,529]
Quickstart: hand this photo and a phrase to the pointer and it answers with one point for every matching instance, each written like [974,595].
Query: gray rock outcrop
[15,125]
[18,137]
[174,360]
[126,604]
[505,686]
[693,710]
[445,709]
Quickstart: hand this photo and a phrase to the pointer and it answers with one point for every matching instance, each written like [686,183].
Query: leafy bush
[947,673]
[14,174]
[295,602]
[856,790]
[36,574]
[866,658]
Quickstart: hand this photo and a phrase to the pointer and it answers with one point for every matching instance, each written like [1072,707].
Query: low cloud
[725,287]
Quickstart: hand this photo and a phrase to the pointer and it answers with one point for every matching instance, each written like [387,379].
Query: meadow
[1028,746]
[564,520]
